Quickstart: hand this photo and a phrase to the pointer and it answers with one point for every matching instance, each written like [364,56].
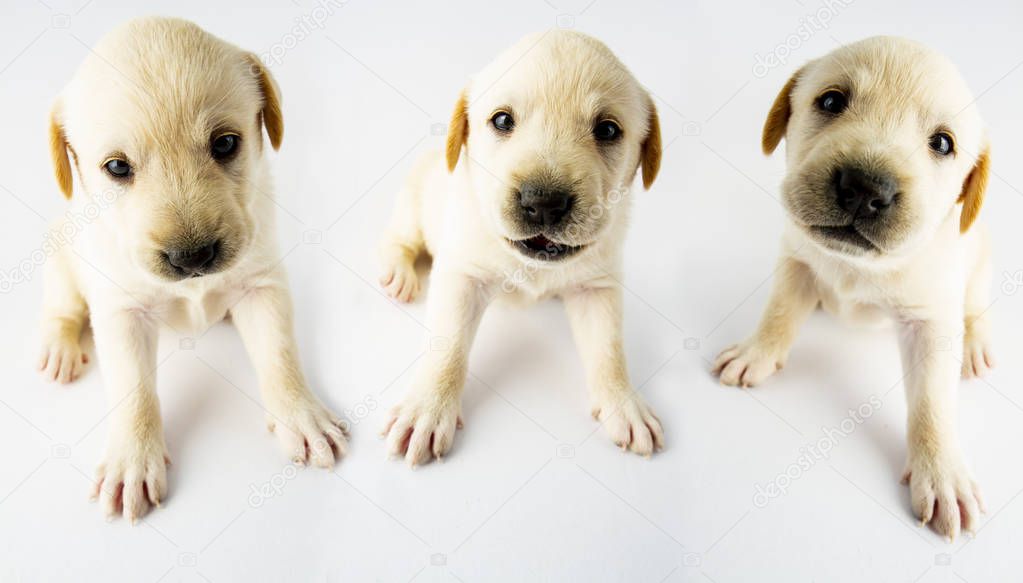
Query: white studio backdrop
[532,491]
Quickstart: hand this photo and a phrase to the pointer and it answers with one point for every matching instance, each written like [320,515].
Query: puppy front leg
[941,487]
[133,473]
[306,429]
[596,318]
[424,423]
[793,299]
[64,316]
[978,357]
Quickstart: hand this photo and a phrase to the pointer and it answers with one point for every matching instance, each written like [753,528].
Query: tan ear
[778,118]
[58,153]
[650,152]
[973,190]
[458,130]
[273,119]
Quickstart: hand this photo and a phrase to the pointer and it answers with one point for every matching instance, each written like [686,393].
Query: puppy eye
[224,146]
[503,121]
[833,102]
[941,143]
[606,131]
[117,168]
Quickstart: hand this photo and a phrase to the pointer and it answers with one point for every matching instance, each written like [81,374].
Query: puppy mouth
[178,274]
[544,249]
[190,262]
[843,237]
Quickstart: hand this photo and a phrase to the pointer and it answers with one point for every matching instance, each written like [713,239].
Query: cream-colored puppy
[164,126]
[530,201]
[887,165]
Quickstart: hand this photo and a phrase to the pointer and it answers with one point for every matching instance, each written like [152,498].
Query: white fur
[557,84]
[932,281]
[153,90]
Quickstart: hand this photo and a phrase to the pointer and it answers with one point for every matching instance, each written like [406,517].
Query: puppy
[887,166]
[164,126]
[530,200]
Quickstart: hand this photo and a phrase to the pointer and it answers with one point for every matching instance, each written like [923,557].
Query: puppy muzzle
[546,210]
[194,261]
[859,205]
[865,195]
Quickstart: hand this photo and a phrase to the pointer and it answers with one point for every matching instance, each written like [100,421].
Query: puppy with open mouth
[530,200]
[887,166]
[163,126]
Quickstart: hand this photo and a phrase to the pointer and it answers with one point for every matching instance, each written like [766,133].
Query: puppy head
[553,132]
[883,144]
[170,119]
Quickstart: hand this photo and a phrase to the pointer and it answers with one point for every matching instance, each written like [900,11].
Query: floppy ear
[58,153]
[458,130]
[271,115]
[650,151]
[973,190]
[778,118]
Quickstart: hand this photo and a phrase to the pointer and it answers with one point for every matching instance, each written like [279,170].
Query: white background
[533,489]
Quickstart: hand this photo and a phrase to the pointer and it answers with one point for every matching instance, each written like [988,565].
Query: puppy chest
[196,313]
[519,293]
[526,284]
[853,300]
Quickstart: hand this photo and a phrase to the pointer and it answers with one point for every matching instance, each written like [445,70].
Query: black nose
[864,194]
[543,206]
[194,260]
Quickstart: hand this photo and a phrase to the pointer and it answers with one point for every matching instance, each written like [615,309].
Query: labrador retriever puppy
[887,165]
[530,200]
[164,126]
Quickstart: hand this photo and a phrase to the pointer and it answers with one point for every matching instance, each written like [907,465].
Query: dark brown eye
[224,146]
[117,168]
[606,131]
[941,143]
[503,121]
[832,102]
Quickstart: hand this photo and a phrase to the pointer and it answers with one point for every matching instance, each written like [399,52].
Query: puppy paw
[308,432]
[61,359]
[401,281]
[944,495]
[131,478]
[748,364]
[978,359]
[630,423]
[421,427]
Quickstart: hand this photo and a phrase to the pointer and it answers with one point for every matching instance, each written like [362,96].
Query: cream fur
[155,91]
[925,275]
[557,85]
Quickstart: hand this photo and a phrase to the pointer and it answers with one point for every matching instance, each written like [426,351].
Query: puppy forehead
[897,76]
[154,80]
[560,71]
